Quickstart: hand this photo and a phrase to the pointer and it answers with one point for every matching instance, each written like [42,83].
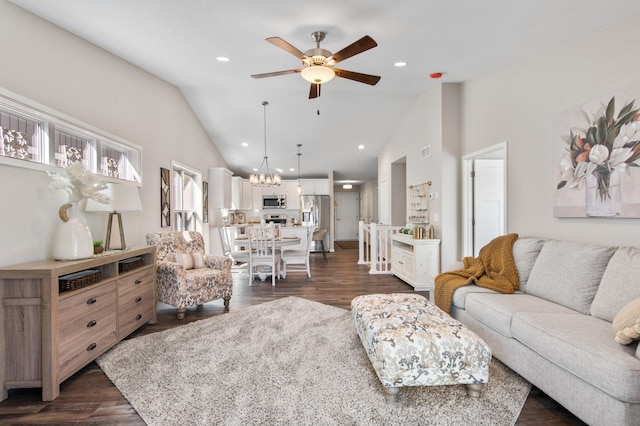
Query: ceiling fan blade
[273,74]
[277,41]
[314,92]
[364,44]
[356,76]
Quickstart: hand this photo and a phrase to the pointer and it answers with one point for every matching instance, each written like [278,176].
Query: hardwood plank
[89,398]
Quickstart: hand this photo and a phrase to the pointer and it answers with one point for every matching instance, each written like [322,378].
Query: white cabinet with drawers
[414,261]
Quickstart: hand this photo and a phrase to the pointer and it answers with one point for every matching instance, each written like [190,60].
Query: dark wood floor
[89,398]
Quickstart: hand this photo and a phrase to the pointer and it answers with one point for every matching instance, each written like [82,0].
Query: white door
[485,197]
[346,215]
[488,202]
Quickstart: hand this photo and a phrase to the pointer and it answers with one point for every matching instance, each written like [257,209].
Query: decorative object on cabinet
[265,178]
[165,198]
[59,316]
[597,147]
[124,198]
[181,287]
[73,238]
[205,202]
[98,247]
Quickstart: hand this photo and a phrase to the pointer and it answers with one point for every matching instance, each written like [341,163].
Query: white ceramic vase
[73,237]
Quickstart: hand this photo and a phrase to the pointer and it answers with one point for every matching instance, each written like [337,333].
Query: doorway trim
[468,191]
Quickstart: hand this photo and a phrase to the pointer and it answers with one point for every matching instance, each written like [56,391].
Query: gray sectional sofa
[557,330]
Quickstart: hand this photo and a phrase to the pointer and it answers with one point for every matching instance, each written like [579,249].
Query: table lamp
[124,198]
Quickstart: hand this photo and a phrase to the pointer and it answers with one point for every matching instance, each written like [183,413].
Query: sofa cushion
[626,324]
[620,283]
[496,310]
[525,253]
[582,345]
[568,273]
[461,293]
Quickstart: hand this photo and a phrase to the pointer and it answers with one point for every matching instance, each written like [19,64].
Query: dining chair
[263,253]
[238,256]
[297,259]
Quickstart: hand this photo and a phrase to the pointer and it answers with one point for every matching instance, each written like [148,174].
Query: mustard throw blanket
[494,268]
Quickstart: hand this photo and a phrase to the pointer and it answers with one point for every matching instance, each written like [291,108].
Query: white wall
[63,72]
[517,103]
[427,125]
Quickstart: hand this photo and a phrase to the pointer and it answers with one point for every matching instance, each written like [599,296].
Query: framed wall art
[597,158]
[205,202]
[165,197]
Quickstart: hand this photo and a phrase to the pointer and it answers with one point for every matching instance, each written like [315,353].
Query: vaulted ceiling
[179,41]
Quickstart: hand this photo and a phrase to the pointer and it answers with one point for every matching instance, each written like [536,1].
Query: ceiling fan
[318,64]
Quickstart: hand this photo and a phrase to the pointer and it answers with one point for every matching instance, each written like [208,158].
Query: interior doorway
[346,216]
[485,197]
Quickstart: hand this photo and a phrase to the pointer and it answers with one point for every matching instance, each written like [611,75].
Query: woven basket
[130,264]
[78,280]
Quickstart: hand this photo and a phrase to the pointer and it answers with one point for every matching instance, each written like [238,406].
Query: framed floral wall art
[165,197]
[597,158]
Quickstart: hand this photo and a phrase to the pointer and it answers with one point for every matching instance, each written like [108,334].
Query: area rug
[347,244]
[287,362]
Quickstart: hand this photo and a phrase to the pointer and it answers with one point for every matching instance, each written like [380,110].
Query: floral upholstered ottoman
[412,342]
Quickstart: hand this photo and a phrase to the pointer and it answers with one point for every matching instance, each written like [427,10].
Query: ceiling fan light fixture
[318,74]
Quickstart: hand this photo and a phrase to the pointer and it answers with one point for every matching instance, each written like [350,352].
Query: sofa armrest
[222,263]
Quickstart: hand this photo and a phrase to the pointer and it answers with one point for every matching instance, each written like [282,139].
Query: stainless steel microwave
[274,202]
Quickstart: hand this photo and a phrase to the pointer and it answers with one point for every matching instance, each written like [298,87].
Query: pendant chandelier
[260,177]
[299,183]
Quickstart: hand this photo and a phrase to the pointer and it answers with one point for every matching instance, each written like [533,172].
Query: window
[31,134]
[187,198]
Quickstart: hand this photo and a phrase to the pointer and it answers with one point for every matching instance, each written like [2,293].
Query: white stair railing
[374,246]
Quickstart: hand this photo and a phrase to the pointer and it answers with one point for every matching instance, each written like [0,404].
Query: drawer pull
[91,347]
[138,317]
[138,299]
[138,282]
[91,301]
[91,323]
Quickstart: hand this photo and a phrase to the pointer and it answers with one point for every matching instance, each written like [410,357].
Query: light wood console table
[48,335]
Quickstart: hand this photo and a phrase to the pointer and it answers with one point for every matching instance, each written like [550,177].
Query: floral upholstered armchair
[185,275]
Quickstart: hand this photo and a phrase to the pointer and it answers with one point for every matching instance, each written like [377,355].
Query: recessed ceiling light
[245,144]
[255,170]
[400,64]
[360,146]
[279,170]
[222,59]
[291,169]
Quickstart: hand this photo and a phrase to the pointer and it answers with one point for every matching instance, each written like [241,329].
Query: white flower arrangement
[79,183]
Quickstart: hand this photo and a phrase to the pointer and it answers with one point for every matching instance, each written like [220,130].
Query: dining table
[245,242]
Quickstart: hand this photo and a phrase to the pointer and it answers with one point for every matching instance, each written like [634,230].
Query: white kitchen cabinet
[293,196]
[246,200]
[414,261]
[236,192]
[274,190]
[220,188]
[315,186]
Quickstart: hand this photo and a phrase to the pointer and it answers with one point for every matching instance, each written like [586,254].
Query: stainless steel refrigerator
[316,210]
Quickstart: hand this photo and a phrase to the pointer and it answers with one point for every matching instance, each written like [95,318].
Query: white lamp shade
[124,198]
[317,74]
